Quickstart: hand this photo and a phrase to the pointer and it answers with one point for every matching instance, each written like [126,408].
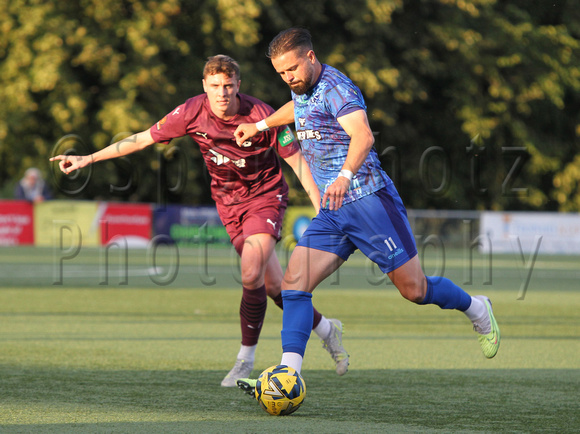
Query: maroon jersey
[238,173]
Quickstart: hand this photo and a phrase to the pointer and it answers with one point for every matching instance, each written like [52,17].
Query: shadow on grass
[68,400]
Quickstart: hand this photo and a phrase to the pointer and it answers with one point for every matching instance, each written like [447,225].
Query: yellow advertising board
[296,220]
[66,224]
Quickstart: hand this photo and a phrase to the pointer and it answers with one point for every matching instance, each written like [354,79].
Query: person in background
[32,187]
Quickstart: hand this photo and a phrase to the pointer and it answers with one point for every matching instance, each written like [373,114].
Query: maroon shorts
[266,219]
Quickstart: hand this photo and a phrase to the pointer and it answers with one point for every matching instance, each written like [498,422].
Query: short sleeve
[343,99]
[171,126]
[285,143]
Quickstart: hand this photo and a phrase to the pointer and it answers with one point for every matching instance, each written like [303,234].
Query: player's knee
[292,280]
[252,277]
[414,297]
[413,291]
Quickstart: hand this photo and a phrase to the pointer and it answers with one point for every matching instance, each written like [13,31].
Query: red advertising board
[131,221]
[16,223]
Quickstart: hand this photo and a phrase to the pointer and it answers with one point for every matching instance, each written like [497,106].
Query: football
[280,390]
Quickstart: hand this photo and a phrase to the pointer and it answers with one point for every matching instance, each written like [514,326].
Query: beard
[301,87]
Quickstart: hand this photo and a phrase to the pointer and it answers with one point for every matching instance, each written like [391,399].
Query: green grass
[141,357]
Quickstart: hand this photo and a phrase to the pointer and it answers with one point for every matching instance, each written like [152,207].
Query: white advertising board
[541,232]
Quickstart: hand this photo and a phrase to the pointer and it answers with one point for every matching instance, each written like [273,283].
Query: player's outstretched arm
[283,116]
[134,143]
[302,171]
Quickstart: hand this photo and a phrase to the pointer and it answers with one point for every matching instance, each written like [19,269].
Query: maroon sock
[316,319]
[252,312]
[278,301]
[317,315]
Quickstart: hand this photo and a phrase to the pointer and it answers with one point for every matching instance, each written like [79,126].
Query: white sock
[247,353]
[477,310]
[294,360]
[322,330]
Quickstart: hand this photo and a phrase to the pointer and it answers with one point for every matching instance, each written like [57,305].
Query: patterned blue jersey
[324,142]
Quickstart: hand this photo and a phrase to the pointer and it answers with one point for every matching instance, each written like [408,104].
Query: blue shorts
[376,224]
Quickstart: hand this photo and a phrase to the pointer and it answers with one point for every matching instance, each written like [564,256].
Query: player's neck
[230,112]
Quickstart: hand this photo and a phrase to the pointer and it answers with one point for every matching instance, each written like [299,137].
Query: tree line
[475,104]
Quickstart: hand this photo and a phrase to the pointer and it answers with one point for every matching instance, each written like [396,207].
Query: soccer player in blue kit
[360,207]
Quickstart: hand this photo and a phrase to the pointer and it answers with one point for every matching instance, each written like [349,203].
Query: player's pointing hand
[70,163]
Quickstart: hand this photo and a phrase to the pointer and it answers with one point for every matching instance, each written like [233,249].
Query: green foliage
[476,99]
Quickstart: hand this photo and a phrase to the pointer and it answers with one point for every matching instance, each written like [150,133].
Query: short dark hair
[288,40]
[221,64]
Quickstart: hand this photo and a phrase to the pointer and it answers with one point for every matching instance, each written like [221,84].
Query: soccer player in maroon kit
[248,187]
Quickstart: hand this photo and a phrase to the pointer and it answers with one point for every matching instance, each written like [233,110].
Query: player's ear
[204,86]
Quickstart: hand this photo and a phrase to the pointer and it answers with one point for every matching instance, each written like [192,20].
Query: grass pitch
[138,353]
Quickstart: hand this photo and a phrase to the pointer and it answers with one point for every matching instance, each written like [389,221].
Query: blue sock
[296,321]
[446,294]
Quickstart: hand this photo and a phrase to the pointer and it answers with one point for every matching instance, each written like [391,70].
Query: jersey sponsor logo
[204,135]
[176,111]
[285,137]
[309,135]
[272,223]
[220,159]
[161,122]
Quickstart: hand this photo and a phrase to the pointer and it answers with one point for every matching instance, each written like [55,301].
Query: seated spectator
[32,187]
